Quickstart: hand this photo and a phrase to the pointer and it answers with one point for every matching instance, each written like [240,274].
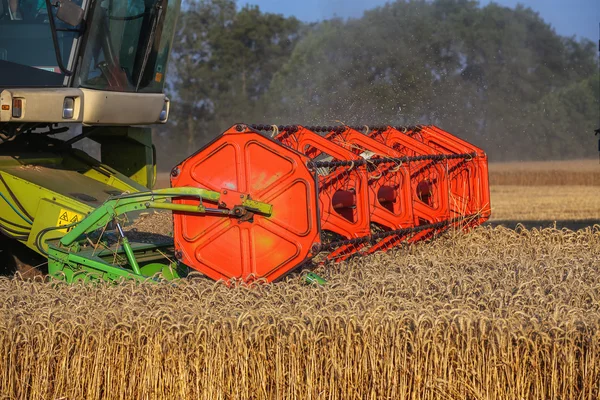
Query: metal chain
[385,160]
[336,128]
[404,231]
[314,165]
[374,161]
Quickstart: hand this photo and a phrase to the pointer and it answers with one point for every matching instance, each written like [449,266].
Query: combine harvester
[257,202]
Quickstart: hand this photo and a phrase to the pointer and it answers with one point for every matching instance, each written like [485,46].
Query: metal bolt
[239,128]
[241,196]
[224,191]
[178,255]
[315,248]
[175,172]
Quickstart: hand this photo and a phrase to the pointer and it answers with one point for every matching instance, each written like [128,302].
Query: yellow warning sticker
[67,217]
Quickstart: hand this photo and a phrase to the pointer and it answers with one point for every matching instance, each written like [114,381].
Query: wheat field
[491,314]
[546,173]
[568,205]
[494,313]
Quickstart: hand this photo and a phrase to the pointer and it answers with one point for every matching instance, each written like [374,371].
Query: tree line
[499,77]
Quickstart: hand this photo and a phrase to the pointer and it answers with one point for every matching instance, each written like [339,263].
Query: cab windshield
[128,45]
[27,54]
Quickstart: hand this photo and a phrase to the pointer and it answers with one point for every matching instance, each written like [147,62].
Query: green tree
[499,77]
[222,63]
[513,59]
[561,124]
[476,71]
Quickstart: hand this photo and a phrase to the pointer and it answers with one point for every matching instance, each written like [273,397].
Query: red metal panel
[222,247]
[428,184]
[390,197]
[351,221]
[469,184]
[349,197]
[428,178]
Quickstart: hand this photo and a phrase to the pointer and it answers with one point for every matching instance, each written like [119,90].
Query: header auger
[260,200]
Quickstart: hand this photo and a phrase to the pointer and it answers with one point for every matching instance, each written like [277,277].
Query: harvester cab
[255,203]
[70,71]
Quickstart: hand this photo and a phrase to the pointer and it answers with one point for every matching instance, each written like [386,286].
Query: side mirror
[69,12]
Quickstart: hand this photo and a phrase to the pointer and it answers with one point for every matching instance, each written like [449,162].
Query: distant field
[571,207]
[543,193]
[546,173]
[566,165]
[162,180]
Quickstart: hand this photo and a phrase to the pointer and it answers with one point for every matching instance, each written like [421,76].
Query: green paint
[313,279]
[69,257]
[128,150]
[257,206]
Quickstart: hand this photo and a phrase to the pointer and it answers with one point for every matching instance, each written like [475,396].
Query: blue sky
[568,17]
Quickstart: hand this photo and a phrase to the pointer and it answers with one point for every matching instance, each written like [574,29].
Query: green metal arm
[157,199]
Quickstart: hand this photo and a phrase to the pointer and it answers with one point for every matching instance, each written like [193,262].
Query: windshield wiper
[154,24]
[73,14]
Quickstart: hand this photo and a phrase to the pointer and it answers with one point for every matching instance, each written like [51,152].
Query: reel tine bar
[336,189]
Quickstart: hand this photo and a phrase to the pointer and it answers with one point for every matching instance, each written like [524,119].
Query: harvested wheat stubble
[158,222]
[521,203]
[491,314]
[546,173]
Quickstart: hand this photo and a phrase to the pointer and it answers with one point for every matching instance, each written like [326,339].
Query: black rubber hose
[11,236]
[38,238]
[15,225]
[13,231]
[12,195]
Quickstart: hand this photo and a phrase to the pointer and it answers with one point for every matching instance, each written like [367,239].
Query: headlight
[68,108]
[17,111]
[164,113]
